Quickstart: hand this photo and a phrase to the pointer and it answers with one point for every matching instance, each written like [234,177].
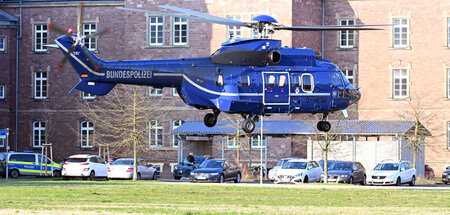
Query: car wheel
[14,173]
[155,176]
[398,182]
[176,178]
[413,181]
[305,180]
[56,174]
[445,182]
[363,182]
[350,180]
[92,176]
[139,177]
[221,179]
[238,178]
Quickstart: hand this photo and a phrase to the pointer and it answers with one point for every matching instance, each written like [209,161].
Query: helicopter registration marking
[128,74]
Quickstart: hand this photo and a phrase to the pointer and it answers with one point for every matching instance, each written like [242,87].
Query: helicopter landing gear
[210,119]
[248,126]
[324,125]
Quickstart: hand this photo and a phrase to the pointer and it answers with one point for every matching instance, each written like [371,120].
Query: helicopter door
[276,88]
[338,89]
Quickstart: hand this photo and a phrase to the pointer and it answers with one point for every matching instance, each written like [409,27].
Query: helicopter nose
[355,96]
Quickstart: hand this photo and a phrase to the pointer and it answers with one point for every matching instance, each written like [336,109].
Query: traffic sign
[2,133]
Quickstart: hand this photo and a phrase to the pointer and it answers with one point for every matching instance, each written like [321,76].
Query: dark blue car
[184,169]
[217,170]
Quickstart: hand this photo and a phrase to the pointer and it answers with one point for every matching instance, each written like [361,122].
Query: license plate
[201,177]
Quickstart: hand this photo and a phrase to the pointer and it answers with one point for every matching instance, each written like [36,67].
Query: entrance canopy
[307,127]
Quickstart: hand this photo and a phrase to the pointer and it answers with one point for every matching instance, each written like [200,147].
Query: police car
[24,163]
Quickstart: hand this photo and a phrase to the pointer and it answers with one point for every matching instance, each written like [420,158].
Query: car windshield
[387,166]
[294,165]
[122,162]
[77,160]
[329,164]
[212,164]
[281,162]
[341,166]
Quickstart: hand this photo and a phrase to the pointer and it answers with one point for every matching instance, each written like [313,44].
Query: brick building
[390,66]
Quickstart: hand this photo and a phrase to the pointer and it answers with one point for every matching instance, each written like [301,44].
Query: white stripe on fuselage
[79,61]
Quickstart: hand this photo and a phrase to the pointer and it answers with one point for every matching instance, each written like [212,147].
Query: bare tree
[124,117]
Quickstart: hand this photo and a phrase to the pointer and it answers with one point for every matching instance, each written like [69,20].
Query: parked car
[122,168]
[330,163]
[392,172]
[85,166]
[429,173]
[277,166]
[346,172]
[28,163]
[446,176]
[298,171]
[184,169]
[217,170]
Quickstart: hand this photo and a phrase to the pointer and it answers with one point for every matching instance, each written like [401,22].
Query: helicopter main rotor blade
[92,61]
[80,17]
[59,30]
[66,56]
[224,22]
[100,33]
[331,27]
[205,15]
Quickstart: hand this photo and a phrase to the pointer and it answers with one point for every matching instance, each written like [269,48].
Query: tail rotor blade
[92,61]
[100,33]
[66,56]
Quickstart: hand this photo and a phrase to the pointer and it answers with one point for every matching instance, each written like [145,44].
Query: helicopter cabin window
[400,33]
[245,80]
[283,81]
[296,82]
[219,80]
[347,38]
[233,32]
[156,31]
[180,31]
[307,83]
[271,81]
[91,42]
[40,37]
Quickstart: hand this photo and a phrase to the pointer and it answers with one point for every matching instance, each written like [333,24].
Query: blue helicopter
[246,76]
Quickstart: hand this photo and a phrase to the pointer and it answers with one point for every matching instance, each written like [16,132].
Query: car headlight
[213,174]
[193,173]
[300,174]
[444,173]
[322,176]
[343,176]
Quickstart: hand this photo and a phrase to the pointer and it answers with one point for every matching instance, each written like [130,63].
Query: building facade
[390,66]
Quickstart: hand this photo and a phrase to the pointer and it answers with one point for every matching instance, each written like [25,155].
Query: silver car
[122,168]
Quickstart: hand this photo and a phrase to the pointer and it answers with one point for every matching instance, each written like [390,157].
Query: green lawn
[47,196]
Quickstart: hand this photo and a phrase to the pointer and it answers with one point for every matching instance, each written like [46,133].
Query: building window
[87,134]
[176,140]
[2,91]
[155,134]
[448,83]
[2,142]
[91,42]
[156,31]
[233,32]
[400,83]
[2,44]
[85,95]
[180,31]
[38,134]
[255,142]
[40,85]
[154,91]
[347,38]
[349,75]
[400,33]
[175,92]
[40,38]
[448,135]
[231,142]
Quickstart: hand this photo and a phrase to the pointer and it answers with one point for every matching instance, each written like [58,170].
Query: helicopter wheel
[324,126]
[248,125]
[210,120]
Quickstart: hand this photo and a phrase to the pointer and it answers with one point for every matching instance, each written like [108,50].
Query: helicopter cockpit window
[245,80]
[271,81]
[336,79]
[283,81]
[296,81]
[219,80]
[308,83]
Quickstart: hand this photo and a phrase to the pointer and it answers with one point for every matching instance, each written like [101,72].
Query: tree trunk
[325,159]
[134,137]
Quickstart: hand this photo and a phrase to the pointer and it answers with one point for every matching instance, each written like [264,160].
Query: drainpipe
[323,23]
[19,36]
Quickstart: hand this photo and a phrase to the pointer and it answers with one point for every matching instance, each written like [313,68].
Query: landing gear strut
[324,125]
[248,126]
[210,119]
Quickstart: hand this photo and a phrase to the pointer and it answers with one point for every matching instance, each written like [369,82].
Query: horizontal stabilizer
[96,88]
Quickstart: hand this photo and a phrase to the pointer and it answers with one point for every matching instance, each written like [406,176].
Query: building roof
[6,19]
[307,127]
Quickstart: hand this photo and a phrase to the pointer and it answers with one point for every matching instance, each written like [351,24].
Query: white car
[392,172]
[298,171]
[85,166]
[277,166]
[123,169]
